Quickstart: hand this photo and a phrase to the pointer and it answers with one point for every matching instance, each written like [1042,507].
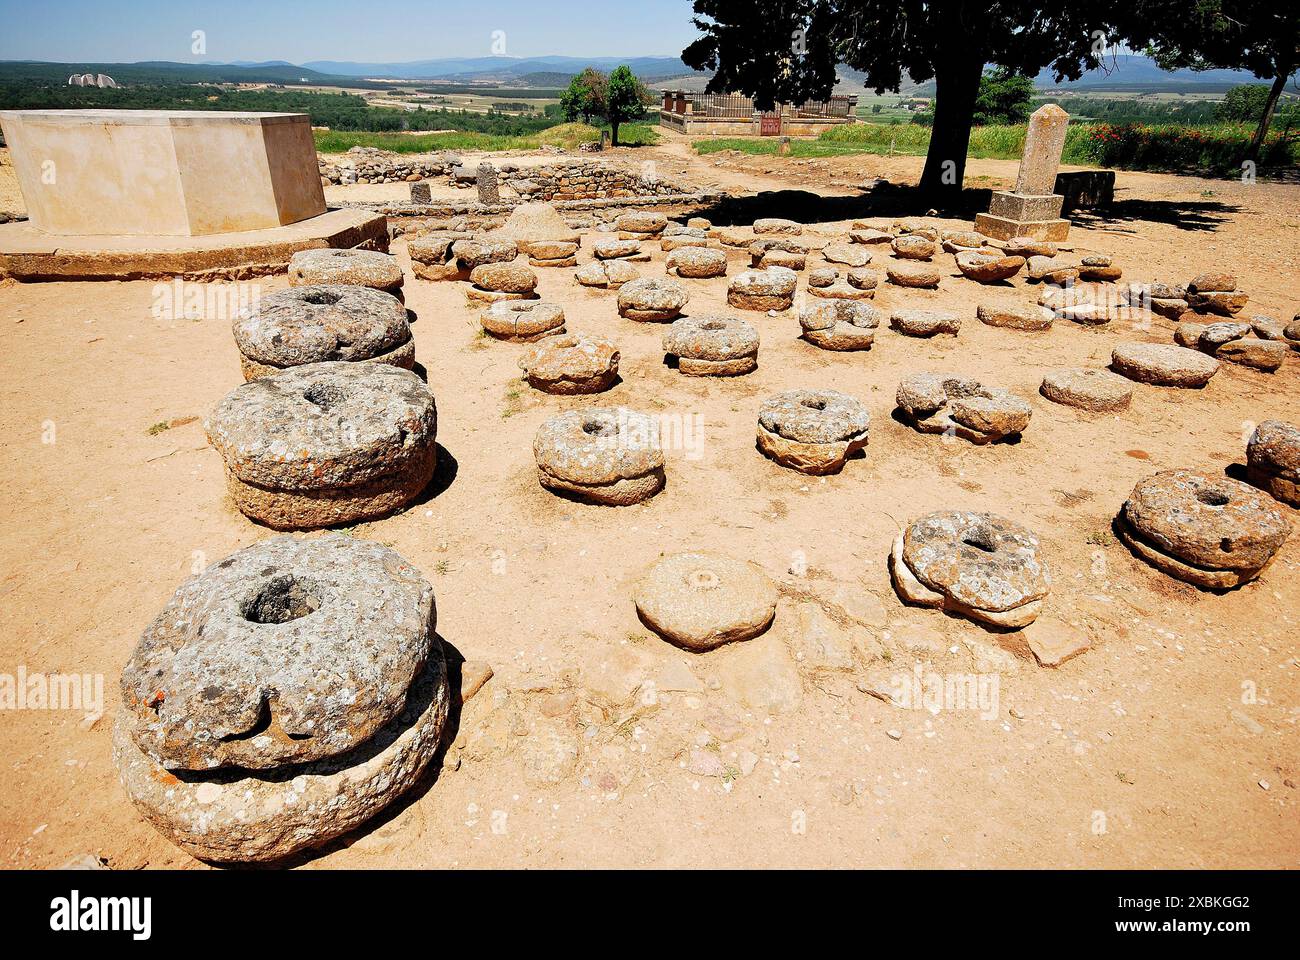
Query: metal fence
[734,106]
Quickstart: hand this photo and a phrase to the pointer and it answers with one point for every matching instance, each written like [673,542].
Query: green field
[567,135]
[1214,147]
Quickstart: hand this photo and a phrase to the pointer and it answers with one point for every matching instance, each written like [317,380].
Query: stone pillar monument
[486,180]
[1032,209]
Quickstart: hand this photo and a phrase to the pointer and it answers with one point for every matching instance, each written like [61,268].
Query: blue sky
[378,30]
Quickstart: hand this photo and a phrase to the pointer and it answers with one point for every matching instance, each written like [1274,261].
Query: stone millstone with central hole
[359,268]
[812,431]
[326,443]
[1163,364]
[652,299]
[283,697]
[605,455]
[571,364]
[979,565]
[712,346]
[289,328]
[960,406]
[1273,460]
[1212,532]
[702,600]
[840,325]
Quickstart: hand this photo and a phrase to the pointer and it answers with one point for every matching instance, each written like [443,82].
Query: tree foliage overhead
[586,97]
[787,51]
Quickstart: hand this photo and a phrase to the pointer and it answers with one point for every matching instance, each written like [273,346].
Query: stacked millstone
[652,299]
[960,406]
[963,241]
[553,253]
[606,274]
[1237,341]
[432,257]
[1165,299]
[914,246]
[812,431]
[569,364]
[602,455]
[770,289]
[712,346]
[978,565]
[1215,293]
[1053,270]
[676,235]
[840,324]
[858,283]
[1212,532]
[1291,333]
[922,276]
[868,234]
[326,443]
[453,256]
[523,321]
[1088,304]
[696,263]
[282,698]
[289,328]
[1097,268]
[699,601]
[1163,364]
[359,268]
[493,282]
[778,251]
[641,225]
[1273,460]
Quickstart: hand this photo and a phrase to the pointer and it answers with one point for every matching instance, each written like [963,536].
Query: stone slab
[163,172]
[29,254]
[1015,206]
[1002,228]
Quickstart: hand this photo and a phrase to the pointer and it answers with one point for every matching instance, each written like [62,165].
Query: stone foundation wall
[586,180]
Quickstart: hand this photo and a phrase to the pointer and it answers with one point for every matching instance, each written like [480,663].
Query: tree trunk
[613,133]
[956,85]
[1257,142]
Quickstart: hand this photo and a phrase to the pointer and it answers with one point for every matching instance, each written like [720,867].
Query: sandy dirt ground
[1173,742]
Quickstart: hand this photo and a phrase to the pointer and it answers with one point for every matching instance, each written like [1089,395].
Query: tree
[1262,36]
[1004,97]
[627,100]
[586,96]
[1243,103]
[787,51]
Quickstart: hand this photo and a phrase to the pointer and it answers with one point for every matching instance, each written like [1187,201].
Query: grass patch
[1215,147]
[332,141]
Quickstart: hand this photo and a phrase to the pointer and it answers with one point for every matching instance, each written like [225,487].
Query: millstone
[605,455]
[1094,390]
[570,364]
[960,406]
[523,321]
[771,289]
[289,328]
[712,346]
[361,268]
[812,431]
[326,443]
[840,325]
[651,299]
[1213,532]
[1273,460]
[979,565]
[702,600]
[1164,365]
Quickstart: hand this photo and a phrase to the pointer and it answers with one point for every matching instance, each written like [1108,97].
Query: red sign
[769,125]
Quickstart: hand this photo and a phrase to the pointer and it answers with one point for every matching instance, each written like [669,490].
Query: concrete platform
[27,254]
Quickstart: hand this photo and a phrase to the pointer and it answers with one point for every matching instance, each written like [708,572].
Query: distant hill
[498,69]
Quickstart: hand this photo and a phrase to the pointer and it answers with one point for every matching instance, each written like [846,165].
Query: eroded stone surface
[288,651]
[988,268]
[918,275]
[1094,390]
[712,345]
[1164,365]
[1273,460]
[610,274]
[310,324]
[569,364]
[696,262]
[980,565]
[702,600]
[960,406]
[608,455]
[771,289]
[925,323]
[652,299]
[1026,317]
[523,321]
[362,268]
[813,431]
[1213,531]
